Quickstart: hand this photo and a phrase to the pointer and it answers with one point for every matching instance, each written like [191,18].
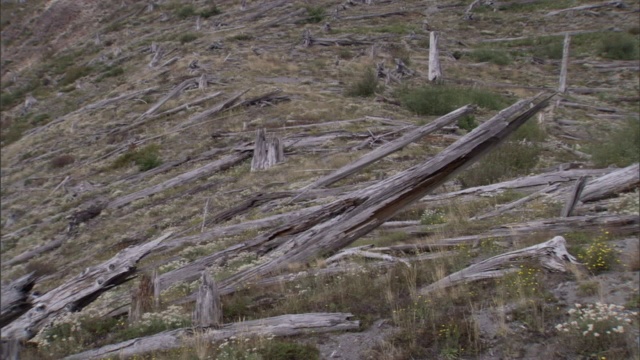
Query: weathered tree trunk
[75,294]
[266,152]
[214,110]
[355,215]
[142,298]
[573,197]
[435,73]
[565,64]
[390,148]
[159,53]
[614,183]
[551,254]
[208,311]
[10,349]
[284,325]
[14,301]
[618,4]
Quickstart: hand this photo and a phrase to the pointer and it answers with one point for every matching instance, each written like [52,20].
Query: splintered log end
[208,311]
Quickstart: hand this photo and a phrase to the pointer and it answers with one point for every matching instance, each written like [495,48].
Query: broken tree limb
[218,165]
[371,16]
[80,291]
[359,251]
[354,215]
[30,254]
[214,110]
[390,148]
[512,205]
[573,197]
[552,255]
[608,185]
[618,4]
[175,91]
[435,73]
[284,325]
[15,298]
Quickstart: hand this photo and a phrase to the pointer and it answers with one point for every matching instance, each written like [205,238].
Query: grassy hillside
[66,149]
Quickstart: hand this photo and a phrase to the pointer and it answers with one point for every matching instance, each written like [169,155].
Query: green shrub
[110,72]
[185,12]
[241,37]
[188,37]
[551,50]
[467,122]
[492,56]
[619,46]
[315,14]
[209,12]
[367,85]
[620,148]
[145,158]
[284,350]
[598,256]
[442,99]
[529,131]
[509,160]
[75,73]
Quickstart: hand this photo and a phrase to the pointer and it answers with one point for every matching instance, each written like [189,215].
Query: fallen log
[551,254]
[389,148]
[218,165]
[572,201]
[284,325]
[214,110]
[608,185]
[512,205]
[14,300]
[371,16]
[80,291]
[617,4]
[354,215]
[30,254]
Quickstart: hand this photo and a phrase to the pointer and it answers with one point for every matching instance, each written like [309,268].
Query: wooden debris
[308,40]
[551,254]
[80,291]
[208,311]
[573,197]
[390,148]
[284,325]
[30,254]
[512,205]
[267,152]
[142,298]
[214,110]
[621,180]
[371,16]
[361,252]
[15,298]
[565,64]
[158,54]
[435,73]
[617,4]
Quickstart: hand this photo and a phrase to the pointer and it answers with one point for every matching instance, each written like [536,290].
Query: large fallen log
[284,325]
[354,215]
[78,292]
[616,182]
[14,301]
[551,254]
[390,148]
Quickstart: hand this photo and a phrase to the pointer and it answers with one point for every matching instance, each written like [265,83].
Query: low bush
[146,158]
[188,37]
[185,11]
[61,161]
[284,350]
[620,148]
[75,73]
[598,256]
[442,99]
[210,11]
[619,46]
[366,85]
[492,56]
[110,72]
[315,14]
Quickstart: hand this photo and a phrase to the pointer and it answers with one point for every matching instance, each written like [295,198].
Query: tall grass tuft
[365,86]
[442,99]
[620,148]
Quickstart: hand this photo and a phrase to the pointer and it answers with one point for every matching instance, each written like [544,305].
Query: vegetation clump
[146,158]
[365,86]
[442,99]
[620,46]
[188,37]
[315,14]
[61,161]
[620,148]
[598,256]
[492,56]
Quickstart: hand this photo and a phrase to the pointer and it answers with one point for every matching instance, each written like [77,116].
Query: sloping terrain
[125,122]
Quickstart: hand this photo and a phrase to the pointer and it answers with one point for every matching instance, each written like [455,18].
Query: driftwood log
[551,254]
[78,292]
[284,325]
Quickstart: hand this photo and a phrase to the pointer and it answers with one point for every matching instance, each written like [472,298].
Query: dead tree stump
[208,311]
[142,298]
[267,151]
[435,73]
[565,64]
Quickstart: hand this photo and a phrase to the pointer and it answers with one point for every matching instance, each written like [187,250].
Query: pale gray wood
[435,73]
[621,180]
[208,311]
[80,291]
[267,152]
[14,300]
[284,325]
[390,148]
[214,110]
[572,200]
[551,254]
[514,204]
[565,64]
[188,177]
[618,4]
